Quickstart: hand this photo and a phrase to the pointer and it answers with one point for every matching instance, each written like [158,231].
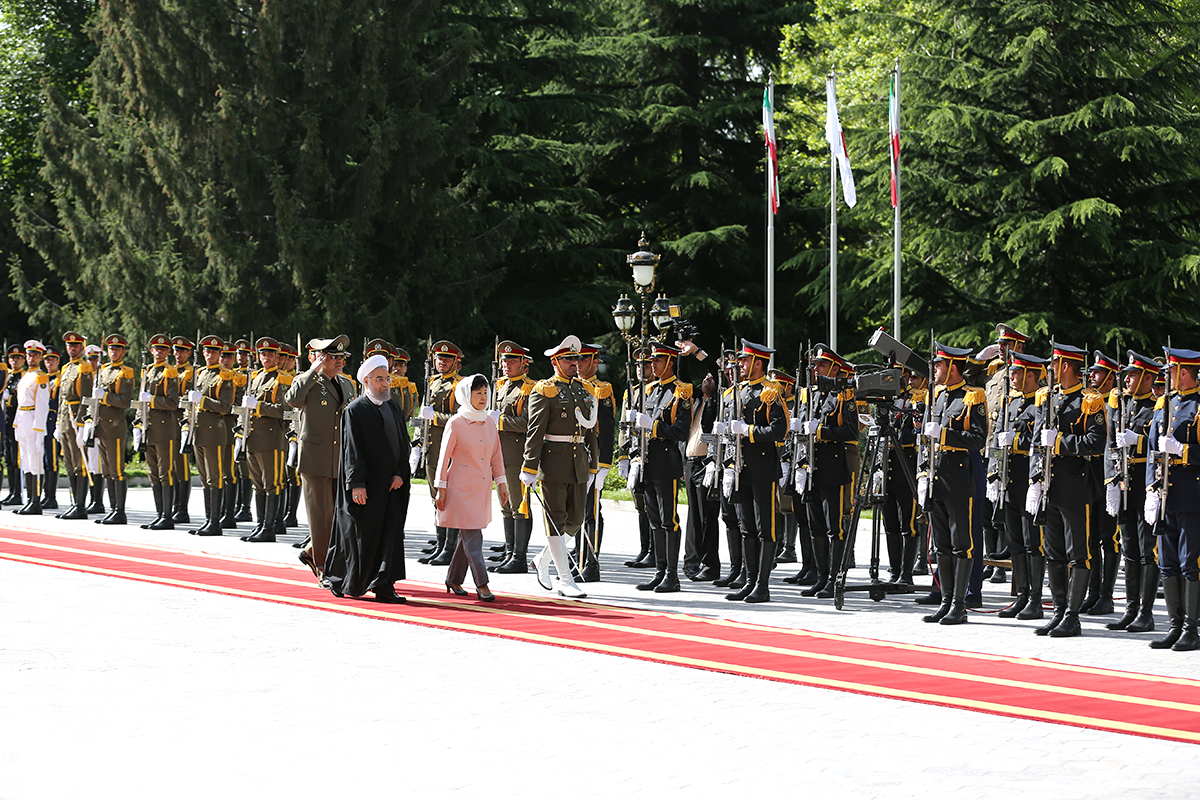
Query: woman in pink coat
[470,463]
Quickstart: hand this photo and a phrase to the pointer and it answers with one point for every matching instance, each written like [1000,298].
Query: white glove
[293,451]
[796,426]
[989,352]
[250,402]
[812,426]
[1127,439]
[801,480]
[195,396]
[528,478]
[85,433]
[145,397]
[923,489]
[57,435]
[1033,499]
[787,470]
[635,473]
[1112,499]
[710,475]
[727,482]
[184,436]
[6,394]
[137,439]
[865,420]
[1153,501]
[623,468]
[97,392]
[631,416]
[720,428]
[644,422]
[591,482]
[739,428]
[602,477]
[1173,446]
[494,415]
[1005,439]
[993,491]
[427,413]
[933,430]
[1049,437]
[239,444]
[414,458]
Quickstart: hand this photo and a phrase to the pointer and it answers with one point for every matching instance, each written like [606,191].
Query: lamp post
[643,264]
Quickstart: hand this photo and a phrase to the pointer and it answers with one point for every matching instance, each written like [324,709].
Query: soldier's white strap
[574,439]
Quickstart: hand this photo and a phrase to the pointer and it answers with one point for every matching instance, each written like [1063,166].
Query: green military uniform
[160,433]
[74,387]
[114,387]
[439,407]
[232,470]
[512,405]
[186,372]
[238,431]
[209,435]
[266,443]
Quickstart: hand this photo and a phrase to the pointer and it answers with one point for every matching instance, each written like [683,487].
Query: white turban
[370,365]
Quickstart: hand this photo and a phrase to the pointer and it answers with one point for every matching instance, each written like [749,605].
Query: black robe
[366,547]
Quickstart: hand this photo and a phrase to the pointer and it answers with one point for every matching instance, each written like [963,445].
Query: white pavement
[115,688]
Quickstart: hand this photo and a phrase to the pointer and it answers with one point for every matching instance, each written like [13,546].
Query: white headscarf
[462,395]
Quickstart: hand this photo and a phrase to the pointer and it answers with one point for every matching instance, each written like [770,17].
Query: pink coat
[470,462]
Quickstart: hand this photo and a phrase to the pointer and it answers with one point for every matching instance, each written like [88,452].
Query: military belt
[26,408]
[573,439]
[74,402]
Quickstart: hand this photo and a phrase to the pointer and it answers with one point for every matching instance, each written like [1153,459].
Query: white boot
[541,565]
[565,585]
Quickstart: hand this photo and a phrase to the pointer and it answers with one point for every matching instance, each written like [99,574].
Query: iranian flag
[837,142]
[772,146]
[894,138]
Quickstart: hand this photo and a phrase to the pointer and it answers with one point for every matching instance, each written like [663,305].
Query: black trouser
[1065,534]
[1023,535]
[701,542]
[950,521]
[827,508]
[662,504]
[755,504]
[1138,542]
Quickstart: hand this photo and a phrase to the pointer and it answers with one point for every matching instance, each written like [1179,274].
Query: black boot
[1191,612]
[33,507]
[1173,596]
[270,509]
[895,550]
[1079,585]
[908,559]
[659,540]
[242,512]
[97,492]
[277,525]
[157,490]
[1133,596]
[1037,573]
[72,505]
[751,557]
[821,556]
[293,506]
[212,513]
[13,498]
[645,558]
[1145,618]
[762,581]
[837,551]
[1020,571]
[79,490]
[957,614]
[787,555]
[167,521]
[50,491]
[228,504]
[116,498]
[519,563]
[180,508]
[735,560]
[1108,580]
[1056,575]
[670,582]
[506,551]
[442,559]
[1096,557]
[439,543]
[260,507]
[922,567]
[946,577]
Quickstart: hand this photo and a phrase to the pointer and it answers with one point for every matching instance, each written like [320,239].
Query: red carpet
[1112,700]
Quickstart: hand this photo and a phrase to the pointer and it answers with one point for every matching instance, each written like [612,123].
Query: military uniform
[512,404]
[404,391]
[240,428]
[1103,539]
[439,407]
[114,388]
[289,501]
[587,547]
[185,370]
[212,395]
[1078,434]
[160,433]
[628,455]
[900,503]
[74,388]
[30,424]
[12,458]
[50,455]
[266,443]
[237,480]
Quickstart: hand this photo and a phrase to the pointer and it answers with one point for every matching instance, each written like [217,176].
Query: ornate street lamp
[643,264]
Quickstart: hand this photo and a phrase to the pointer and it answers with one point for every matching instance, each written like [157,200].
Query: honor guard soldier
[160,430]
[50,362]
[1130,415]
[1009,340]
[900,517]
[1076,436]
[74,386]
[786,527]
[404,391]
[513,392]
[212,398]
[114,389]
[231,466]
[33,409]
[629,454]
[439,406]
[1103,541]
[726,503]
[560,450]
[12,458]
[241,464]
[762,424]
[289,499]
[587,546]
[956,429]
[182,349]
[833,425]
[91,453]
[266,443]
[1026,373]
[321,393]
[1173,498]
[666,422]
[701,549]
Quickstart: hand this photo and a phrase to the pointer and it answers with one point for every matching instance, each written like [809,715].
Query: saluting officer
[160,391]
[114,389]
[1103,539]
[75,385]
[321,393]
[587,546]
[560,449]
[762,425]
[212,394]
[513,392]
[1077,436]
[1174,436]
[1129,419]
[33,408]
[956,430]
[266,444]
[439,407]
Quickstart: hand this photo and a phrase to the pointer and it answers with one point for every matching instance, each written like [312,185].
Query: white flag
[837,142]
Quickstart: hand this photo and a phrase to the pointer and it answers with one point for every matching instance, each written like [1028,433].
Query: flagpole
[833,198]
[770,231]
[896,155]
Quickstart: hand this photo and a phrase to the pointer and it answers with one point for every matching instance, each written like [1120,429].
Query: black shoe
[706,574]
[265,535]
[669,584]
[654,582]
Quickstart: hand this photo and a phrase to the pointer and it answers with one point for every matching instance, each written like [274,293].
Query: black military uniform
[629,457]
[50,455]
[1103,539]
[1075,438]
[900,510]
[16,369]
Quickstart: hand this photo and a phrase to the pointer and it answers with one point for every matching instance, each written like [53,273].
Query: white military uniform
[33,408]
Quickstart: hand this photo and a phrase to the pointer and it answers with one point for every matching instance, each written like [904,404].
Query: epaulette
[846,395]
[527,387]
[1160,403]
[255,373]
[42,379]
[285,379]
[728,391]
[770,393]
[1040,398]
[547,387]
[919,395]
[1114,401]
[683,391]
[604,390]
[994,366]
[86,368]
[170,372]
[228,375]
[397,382]
[127,372]
[1093,402]
[975,397]
[239,379]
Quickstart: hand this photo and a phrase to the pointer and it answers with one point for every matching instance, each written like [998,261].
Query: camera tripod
[870,488]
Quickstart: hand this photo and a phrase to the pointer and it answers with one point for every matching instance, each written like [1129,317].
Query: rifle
[492,399]
[244,412]
[926,447]
[425,424]
[810,439]
[1048,452]
[1122,426]
[1167,430]
[139,420]
[189,408]
[1005,403]
[737,414]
